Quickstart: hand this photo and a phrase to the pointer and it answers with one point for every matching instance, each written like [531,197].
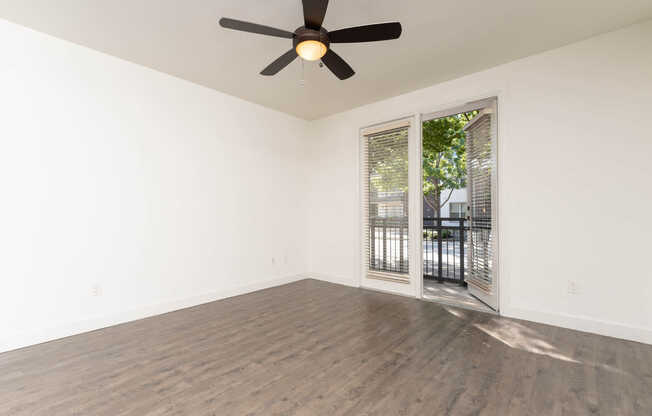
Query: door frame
[449,111]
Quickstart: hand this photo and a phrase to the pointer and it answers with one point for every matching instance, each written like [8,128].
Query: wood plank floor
[313,348]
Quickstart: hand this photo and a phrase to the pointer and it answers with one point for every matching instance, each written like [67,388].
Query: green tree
[444,158]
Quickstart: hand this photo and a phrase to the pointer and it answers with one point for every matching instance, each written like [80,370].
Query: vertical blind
[480,166]
[384,198]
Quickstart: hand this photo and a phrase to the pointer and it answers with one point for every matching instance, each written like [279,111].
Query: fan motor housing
[303,33]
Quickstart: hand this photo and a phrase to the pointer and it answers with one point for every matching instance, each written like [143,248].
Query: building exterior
[454,208]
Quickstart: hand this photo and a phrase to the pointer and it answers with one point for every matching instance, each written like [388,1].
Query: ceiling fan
[312,42]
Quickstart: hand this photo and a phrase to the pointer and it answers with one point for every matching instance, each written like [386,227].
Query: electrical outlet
[96,290]
[573,288]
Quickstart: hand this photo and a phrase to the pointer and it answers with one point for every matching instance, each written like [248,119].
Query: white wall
[161,193]
[574,142]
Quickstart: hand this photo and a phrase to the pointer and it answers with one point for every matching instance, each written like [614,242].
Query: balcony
[443,243]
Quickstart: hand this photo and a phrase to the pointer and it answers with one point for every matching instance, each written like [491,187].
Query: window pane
[387,180]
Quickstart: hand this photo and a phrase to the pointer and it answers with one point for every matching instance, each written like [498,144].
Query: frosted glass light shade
[311,50]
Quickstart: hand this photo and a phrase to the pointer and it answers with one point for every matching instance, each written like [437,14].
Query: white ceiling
[441,40]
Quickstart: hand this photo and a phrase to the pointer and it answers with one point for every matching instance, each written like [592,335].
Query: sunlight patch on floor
[518,336]
[456,312]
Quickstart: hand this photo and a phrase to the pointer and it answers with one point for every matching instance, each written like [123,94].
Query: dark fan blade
[254,28]
[337,65]
[314,12]
[283,61]
[369,33]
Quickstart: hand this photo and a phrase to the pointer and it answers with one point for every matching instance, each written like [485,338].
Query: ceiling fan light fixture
[311,50]
[312,41]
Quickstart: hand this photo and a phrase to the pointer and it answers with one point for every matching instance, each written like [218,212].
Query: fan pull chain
[302,82]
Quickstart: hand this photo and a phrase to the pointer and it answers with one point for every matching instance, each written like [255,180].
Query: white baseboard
[582,323]
[332,279]
[22,339]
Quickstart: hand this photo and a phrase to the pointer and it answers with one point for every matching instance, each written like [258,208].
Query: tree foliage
[388,163]
[444,158]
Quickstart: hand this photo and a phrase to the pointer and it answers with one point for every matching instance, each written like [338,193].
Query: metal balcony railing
[444,249]
[388,246]
[443,241]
